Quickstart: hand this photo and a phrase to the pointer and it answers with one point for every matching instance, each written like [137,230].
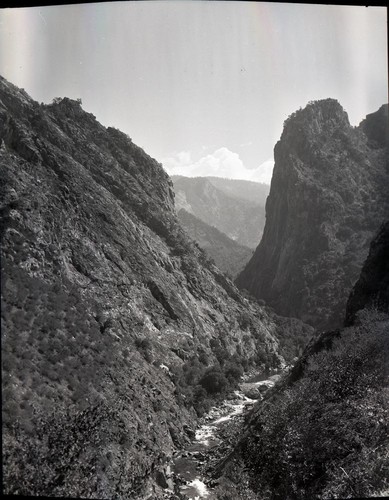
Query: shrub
[219,351]
[203,358]
[214,381]
[144,347]
[143,344]
[244,320]
[233,371]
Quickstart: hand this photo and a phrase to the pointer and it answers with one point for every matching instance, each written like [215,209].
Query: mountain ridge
[107,307]
[229,256]
[239,218]
[319,220]
[253,191]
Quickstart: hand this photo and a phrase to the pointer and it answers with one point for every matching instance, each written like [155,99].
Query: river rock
[252,393]
[160,479]
[189,431]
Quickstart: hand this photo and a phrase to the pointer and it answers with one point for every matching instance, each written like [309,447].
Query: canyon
[126,349]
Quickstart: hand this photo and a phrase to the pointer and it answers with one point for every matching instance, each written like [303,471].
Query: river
[185,473]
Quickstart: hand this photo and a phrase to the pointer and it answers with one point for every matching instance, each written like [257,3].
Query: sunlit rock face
[103,298]
[328,196]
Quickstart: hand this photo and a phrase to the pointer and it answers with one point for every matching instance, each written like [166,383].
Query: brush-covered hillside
[117,331]
[323,431]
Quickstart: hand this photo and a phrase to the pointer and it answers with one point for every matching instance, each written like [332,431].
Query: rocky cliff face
[371,291]
[229,256]
[225,204]
[104,301]
[328,197]
[372,288]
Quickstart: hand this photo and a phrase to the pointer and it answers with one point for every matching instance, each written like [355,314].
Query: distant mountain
[113,320]
[328,196]
[256,192]
[225,204]
[229,256]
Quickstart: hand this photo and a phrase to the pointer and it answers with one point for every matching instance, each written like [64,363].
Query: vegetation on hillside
[200,384]
[102,295]
[293,334]
[327,436]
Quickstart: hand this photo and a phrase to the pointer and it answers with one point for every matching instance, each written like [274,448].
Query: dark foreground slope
[328,196]
[229,256]
[323,431]
[110,315]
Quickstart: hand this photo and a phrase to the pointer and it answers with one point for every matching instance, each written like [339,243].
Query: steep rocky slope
[372,287]
[370,292]
[229,256]
[328,196]
[220,204]
[322,431]
[110,315]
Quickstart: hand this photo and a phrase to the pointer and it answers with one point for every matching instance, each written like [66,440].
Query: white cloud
[176,162]
[264,172]
[221,163]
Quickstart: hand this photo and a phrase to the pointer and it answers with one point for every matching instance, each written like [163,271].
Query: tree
[213,381]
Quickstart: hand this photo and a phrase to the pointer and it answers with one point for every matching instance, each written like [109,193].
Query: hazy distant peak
[234,207]
[250,191]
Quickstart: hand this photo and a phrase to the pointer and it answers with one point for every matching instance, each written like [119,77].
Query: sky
[202,86]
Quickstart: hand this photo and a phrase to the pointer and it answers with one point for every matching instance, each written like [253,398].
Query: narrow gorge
[133,367]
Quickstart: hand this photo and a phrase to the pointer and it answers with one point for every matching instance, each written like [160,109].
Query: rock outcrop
[371,291]
[328,196]
[372,288]
[104,298]
[225,204]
